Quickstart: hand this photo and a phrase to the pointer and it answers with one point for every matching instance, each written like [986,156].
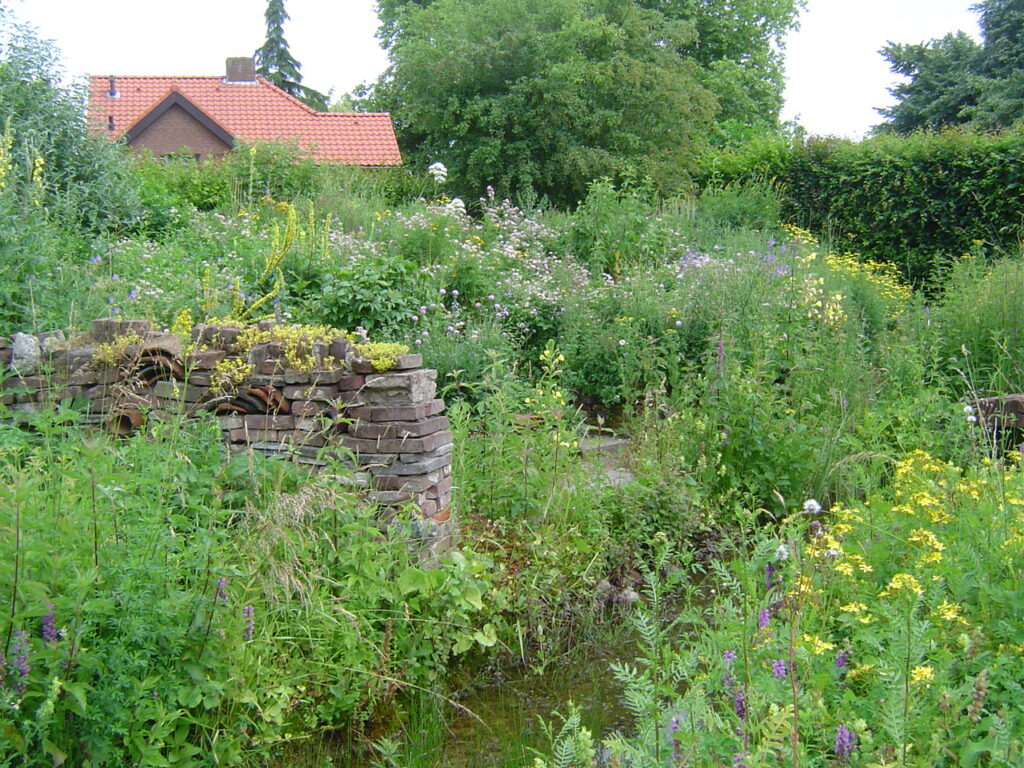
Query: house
[205,116]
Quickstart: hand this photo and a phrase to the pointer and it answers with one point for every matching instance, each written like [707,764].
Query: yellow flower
[950,612]
[816,645]
[860,670]
[922,676]
[902,582]
[925,538]
[849,563]
[855,609]
[803,586]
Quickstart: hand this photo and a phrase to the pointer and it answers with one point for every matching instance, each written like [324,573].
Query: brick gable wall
[177,129]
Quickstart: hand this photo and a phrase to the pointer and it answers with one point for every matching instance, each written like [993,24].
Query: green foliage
[916,201]
[374,293]
[613,230]
[982,339]
[956,81]
[823,642]
[732,50]
[202,609]
[540,98]
[49,161]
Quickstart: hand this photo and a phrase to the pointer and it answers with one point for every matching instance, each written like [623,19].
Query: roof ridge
[262,80]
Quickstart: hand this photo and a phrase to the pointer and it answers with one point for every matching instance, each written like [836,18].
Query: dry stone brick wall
[388,427]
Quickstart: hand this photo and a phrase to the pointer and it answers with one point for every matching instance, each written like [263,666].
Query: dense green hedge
[912,200]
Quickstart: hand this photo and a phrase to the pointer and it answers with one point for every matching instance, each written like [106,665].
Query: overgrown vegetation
[812,533]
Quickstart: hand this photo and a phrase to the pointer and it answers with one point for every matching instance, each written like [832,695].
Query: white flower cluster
[438,171]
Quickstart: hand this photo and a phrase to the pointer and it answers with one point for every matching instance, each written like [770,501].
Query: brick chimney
[240,69]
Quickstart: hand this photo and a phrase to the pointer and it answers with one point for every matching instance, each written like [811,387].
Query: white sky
[835,75]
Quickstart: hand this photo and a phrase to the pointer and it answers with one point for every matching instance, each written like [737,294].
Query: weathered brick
[322,378]
[98,391]
[234,421]
[205,360]
[418,468]
[351,381]
[270,367]
[262,435]
[391,497]
[311,392]
[265,380]
[175,390]
[396,445]
[396,412]
[369,429]
[292,376]
[303,408]
[441,450]
[406,362]
[362,366]
[269,422]
[89,376]
[402,388]
[410,484]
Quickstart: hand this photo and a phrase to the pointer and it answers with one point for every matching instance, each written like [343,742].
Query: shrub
[916,201]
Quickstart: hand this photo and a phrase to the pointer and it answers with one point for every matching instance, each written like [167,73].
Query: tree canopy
[275,62]
[547,96]
[955,81]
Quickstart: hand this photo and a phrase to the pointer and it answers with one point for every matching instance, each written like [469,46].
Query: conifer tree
[275,62]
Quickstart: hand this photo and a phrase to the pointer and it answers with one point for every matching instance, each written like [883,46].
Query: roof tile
[258,111]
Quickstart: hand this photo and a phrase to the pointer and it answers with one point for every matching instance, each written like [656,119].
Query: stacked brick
[337,409]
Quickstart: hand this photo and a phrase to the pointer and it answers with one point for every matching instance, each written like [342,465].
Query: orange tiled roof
[258,111]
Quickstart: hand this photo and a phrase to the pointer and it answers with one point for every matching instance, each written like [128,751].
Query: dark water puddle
[511,710]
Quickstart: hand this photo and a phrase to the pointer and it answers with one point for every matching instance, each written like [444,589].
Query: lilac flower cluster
[846,742]
[14,671]
[249,614]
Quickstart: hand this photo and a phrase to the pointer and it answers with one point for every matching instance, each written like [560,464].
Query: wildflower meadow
[726,491]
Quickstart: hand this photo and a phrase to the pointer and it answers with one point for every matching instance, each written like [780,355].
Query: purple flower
[737,760]
[842,659]
[249,614]
[96,259]
[729,657]
[48,626]
[739,704]
[220,595]
[815,528]
[779,669]
[846,742]
[764,617]
[769,576]
[19,664]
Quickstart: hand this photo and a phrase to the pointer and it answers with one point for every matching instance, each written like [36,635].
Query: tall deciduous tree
[275,62]
[955,81]
[544,95]
[736,45]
